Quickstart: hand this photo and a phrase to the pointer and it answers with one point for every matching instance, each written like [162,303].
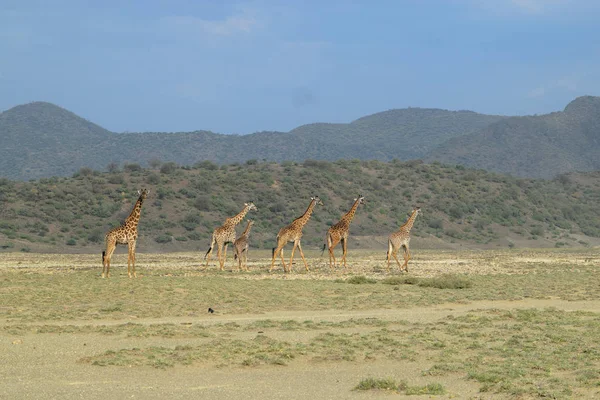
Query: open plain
[460,324]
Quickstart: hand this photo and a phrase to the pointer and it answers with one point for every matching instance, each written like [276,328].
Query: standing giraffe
[241,246]
[401,238]
[124,234]
[225,234]
[293,233]
[339,233]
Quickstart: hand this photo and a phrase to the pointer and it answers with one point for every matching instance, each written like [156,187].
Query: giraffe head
[416,210]
[143,193]
[250,206]
[361,199]
[317,200]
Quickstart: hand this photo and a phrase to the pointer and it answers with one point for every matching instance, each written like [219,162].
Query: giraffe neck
[306,216]
[409,223]
[247,230]
[350,214]
[134,217]
[233,221]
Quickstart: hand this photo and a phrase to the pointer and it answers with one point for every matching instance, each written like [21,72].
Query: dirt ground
[48,366]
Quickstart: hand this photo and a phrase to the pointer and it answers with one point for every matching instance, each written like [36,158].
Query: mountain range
[40,139]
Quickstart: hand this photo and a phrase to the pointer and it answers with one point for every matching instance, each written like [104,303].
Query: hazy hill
[540,146]
[42,140]
[460,207]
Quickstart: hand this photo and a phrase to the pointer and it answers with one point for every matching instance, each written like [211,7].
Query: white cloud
[569,83]
[535,7]
[537,92]
[229,26]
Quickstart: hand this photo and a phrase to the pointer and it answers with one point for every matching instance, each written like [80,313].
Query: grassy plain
[472,324]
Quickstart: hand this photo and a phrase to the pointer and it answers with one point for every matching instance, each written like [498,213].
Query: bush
[379,384]
[436,224]
[359,280]
[133,167]
[446,281]
[163,239]
[168,168]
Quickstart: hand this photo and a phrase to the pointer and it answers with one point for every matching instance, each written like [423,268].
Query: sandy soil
[45,366]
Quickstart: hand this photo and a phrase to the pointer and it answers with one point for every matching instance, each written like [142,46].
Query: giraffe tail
[273,252]
[323,249]
[103,255]
[208,251]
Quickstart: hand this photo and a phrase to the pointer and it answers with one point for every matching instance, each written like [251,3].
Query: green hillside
[42,140]
[538,146]
[460,207]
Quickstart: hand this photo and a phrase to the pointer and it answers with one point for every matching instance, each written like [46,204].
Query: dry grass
[521,353]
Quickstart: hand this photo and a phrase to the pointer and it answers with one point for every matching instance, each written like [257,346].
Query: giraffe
[127,233]
[225,234]
[401,238]
[293,233]
[339,233]
[241,246]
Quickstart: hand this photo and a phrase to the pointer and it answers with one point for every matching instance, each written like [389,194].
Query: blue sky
[247,66]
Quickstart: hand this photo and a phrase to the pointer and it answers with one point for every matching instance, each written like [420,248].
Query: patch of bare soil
[45,366]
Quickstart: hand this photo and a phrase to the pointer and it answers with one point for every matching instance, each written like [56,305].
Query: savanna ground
[487,324]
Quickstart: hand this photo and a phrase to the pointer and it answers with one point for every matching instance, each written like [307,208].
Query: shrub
[359,280]
[133,167]
[379,384]
[168,168]
[163,239]
[446,281]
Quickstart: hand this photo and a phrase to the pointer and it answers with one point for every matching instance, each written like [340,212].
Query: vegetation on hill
[538,146]
[459,206]
[42,140]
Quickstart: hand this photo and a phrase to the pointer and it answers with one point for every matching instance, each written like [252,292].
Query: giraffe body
[293,233]
[339,232]
[127,234]
[225,234]
[241,246]
[401,239]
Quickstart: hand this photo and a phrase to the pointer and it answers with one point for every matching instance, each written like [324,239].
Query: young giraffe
[401,238]
[124,234]
[225,234]
[339,233]
[293,233]
[241,246]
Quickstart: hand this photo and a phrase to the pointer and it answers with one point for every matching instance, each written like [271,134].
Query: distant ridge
[40,139]
[536,146]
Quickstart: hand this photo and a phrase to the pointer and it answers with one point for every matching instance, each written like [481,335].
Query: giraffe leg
[394,253]
[131,258]
[245,255]
[110,248]
[237,256]
[276,251]
[345,251]
[406,258]
[332,243]
[219,251]
[389,254]
[302,255]
[210,249]
[291,269]
[283,260]
[224,255]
